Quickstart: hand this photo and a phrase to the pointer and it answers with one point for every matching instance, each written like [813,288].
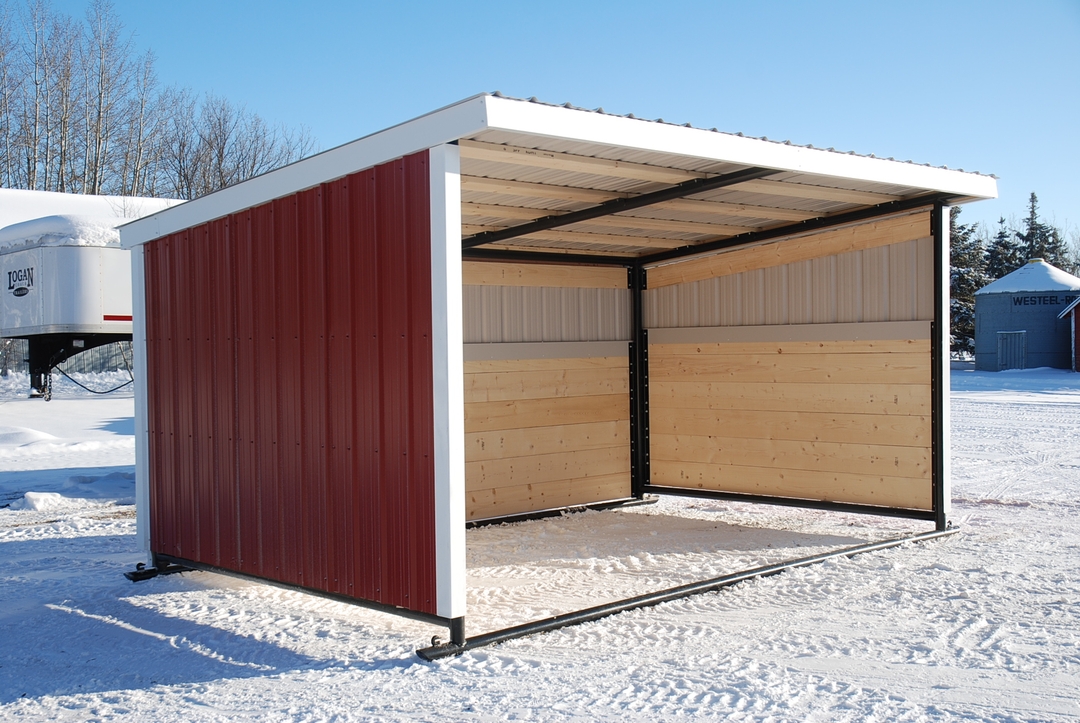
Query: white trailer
[65,283]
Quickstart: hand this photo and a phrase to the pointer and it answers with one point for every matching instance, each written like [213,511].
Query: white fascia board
[555,122]
[448,380]
[448,124]
[142,418]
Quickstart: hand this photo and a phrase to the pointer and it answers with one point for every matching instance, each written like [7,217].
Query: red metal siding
[1076,340]
[290,389]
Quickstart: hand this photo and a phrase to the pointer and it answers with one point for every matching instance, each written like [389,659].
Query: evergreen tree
[1005,254]
[1041,240]
[967,274]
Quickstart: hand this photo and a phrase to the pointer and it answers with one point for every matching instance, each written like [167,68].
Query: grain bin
[1017,324]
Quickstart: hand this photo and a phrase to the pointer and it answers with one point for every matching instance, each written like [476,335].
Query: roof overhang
[548,182]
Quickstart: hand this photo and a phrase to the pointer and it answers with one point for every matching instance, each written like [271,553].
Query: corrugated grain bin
[1017,319]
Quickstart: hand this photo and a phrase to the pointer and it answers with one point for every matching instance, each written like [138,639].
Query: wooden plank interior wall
[544,433]
[837,415]
[844,421]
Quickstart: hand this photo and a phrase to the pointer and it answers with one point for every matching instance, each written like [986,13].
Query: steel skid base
[445,650]
[142,572]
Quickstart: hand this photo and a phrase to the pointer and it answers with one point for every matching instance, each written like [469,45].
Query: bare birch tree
[81,112]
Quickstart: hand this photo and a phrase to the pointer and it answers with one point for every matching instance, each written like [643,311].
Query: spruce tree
[1041,240]
[967,274]
[1005,254]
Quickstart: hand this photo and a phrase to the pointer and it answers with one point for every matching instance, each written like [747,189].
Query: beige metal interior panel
[886,283]
[544,433]
[790,249]
[534,314]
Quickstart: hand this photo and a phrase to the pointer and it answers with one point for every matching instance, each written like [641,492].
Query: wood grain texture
[843,421]
[511,443]
[868,459]
[867,368]
[504,386]
[516,499]
[902,399]
[543,433]
[887,491]
[890,429]
[884,232]
[540,468]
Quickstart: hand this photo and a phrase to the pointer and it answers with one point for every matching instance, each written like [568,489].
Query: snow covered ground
[984,625]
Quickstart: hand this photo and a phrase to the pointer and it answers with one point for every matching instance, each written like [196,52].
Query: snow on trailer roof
[522,160]
[19,205]
[1035,275]
[61,230]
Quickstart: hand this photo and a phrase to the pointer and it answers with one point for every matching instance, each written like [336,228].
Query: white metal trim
[449,381]
[502,351]
[472,116]
[442,126]
[788,333]
[570,123]
[142,423]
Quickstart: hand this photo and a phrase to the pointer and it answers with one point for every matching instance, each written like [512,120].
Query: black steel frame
[438,651]
[639,385]
[165,564]
[617,205]
[639,346]
[559,512]
[939,358]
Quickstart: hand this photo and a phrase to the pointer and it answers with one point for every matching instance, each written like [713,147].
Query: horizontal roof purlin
[621,138]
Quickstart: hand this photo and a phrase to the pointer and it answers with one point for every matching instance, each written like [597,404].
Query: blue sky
[986,86]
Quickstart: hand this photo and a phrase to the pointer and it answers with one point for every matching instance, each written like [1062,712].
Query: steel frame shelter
[509,193]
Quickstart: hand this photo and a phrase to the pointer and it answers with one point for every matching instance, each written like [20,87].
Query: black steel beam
[159,559]
[617,205]
[546,257]
[651,599]
[813,224]
[639,385]
[939,357]
[792,502]
[560,511]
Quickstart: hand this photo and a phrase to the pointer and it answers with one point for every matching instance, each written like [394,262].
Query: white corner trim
[556,122]
[448,124]
[142,420]
[449,380]
[501,351]
[792,333]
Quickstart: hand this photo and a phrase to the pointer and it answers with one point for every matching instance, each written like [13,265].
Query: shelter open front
[504,308]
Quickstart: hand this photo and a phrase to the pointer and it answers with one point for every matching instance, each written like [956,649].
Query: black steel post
[939,359]
[457,631]
[639,385]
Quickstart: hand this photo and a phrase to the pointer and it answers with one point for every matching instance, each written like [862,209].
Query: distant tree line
[81,111]
[979,257]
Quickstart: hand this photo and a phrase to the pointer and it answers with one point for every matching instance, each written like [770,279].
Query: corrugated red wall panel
[290,389]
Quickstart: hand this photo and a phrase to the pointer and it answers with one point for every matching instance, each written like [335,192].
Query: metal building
[1018,319]
[505,307]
